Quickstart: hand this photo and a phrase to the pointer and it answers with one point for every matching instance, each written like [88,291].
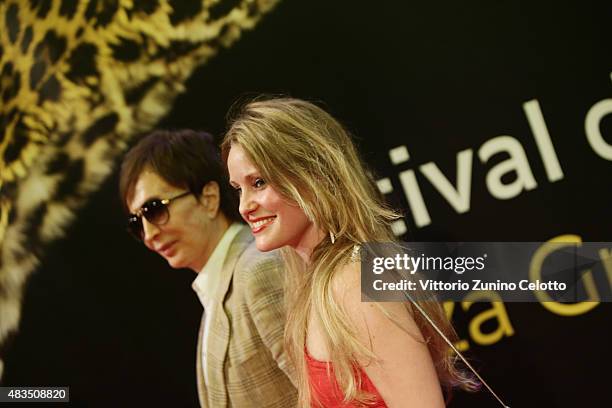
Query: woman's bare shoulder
[369,317]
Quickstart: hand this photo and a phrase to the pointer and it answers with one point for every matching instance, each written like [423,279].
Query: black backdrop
[117,325]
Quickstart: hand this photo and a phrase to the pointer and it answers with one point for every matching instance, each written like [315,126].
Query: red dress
[325,389]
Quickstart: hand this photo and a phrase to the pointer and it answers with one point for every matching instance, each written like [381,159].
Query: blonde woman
[304,189]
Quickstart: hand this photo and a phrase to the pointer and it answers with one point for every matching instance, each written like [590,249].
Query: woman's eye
[259,183]
[238,190]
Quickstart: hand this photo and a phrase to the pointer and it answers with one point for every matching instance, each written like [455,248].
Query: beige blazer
[246,362]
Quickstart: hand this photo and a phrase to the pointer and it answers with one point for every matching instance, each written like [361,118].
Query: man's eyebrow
[132,212]
[149,198]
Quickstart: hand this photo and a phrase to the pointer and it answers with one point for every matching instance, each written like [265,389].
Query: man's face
[184,239]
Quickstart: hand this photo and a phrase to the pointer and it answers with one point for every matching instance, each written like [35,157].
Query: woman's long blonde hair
[310,159]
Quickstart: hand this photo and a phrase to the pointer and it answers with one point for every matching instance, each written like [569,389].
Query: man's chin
[176,263]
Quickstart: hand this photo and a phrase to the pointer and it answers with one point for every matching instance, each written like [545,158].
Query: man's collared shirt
[207,282]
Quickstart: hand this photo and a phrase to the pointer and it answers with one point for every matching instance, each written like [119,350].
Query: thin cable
[452,346]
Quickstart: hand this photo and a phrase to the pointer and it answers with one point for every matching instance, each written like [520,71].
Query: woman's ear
[211,198]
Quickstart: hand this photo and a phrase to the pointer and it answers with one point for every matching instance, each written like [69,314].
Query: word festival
[458,195]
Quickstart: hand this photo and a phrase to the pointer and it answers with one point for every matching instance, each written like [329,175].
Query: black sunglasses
[155,211]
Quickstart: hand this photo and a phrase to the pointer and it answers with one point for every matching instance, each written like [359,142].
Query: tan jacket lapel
[214,393]
[202,394]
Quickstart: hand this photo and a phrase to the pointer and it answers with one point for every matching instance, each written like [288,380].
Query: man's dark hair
[183,158]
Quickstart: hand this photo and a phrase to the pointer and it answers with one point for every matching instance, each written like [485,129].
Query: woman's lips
[260,224]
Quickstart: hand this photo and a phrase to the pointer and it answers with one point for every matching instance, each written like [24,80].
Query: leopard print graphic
[78,80]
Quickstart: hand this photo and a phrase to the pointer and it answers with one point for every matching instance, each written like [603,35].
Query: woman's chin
[264,245]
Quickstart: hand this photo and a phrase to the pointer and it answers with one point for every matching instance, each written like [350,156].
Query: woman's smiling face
[275,222]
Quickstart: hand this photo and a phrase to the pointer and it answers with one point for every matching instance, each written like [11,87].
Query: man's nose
[150,231]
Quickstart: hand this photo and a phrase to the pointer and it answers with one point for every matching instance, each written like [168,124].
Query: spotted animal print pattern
[79,80]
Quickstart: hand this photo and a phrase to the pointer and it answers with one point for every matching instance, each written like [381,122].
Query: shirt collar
[206,283]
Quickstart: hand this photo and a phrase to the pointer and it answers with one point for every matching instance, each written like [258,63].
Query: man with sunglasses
[181,206]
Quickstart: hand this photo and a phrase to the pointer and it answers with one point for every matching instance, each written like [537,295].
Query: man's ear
[211,198]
